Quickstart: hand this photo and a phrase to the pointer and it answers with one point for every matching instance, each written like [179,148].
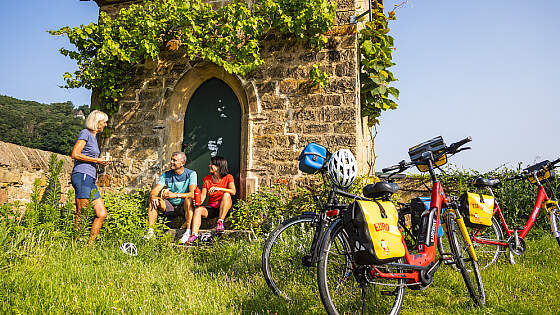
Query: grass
[68,277]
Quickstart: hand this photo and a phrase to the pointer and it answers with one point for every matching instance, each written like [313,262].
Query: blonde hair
[94,118]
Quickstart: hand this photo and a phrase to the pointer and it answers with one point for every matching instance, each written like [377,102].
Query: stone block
[150,94]
[305,139]
[3,196]
[343,17]
[287,169]
[266,87]
[336,142]
[266,142]
[9,176]
[333,55]
[271,128]
[345,128]
[269,101]
[307,56]
[308,115]
[345,5]
[150,142]
[278,72]
[288,86]
[104,180]
[284,155]
[317,128]
[349,100]
[345,69]
[339,85]
[344,114]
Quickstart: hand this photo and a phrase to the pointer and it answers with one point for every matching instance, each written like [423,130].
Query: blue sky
[486,69]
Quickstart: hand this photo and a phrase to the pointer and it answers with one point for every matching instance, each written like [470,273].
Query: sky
[485,69]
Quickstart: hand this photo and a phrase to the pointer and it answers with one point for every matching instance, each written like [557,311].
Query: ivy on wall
[107,52]
[376,47]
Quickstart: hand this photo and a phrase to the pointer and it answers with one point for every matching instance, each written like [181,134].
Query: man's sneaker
[150,234]
[185,238]
[220,227]
[192,239]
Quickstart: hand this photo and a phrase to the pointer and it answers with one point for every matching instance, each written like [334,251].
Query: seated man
[220,188]
[177,199]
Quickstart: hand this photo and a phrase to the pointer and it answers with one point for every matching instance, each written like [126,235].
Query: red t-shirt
[216,197]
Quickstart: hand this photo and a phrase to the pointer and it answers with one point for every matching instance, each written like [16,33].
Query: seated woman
[219,187]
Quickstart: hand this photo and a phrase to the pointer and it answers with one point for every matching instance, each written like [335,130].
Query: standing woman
[86,154]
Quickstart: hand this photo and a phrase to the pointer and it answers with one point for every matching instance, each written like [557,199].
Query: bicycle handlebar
[452,148]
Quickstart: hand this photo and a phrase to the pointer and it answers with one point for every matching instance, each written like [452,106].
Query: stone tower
[270,116]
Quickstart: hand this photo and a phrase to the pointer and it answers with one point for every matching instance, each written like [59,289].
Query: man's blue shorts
[83,184]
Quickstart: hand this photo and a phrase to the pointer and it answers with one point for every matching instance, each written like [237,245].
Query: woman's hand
[103,162]
[214,189]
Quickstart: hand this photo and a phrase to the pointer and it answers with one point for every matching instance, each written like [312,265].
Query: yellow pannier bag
[477,209]
[373,230]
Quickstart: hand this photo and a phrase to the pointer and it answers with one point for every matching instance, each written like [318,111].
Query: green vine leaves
[376,48]
[107,53]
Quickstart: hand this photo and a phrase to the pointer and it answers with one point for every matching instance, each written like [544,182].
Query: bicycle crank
[517,245]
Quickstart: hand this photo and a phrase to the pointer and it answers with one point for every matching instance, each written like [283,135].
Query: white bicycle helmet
[341,168]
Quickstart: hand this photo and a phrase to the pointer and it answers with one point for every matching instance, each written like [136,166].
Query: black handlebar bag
[373,231]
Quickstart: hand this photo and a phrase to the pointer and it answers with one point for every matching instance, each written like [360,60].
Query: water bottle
[197,201]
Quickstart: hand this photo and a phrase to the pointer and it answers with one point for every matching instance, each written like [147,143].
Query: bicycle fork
[551,207]
[463,228]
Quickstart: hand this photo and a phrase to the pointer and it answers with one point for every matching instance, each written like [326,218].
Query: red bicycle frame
[426,254]
[541,197]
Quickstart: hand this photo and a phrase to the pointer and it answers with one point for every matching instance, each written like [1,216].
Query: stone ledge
[176,234]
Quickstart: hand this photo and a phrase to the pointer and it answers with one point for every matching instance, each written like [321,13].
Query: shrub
[516,198]
[126,218]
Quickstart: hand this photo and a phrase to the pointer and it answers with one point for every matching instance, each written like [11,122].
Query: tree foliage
[376,47]
[47,127]
[107,52]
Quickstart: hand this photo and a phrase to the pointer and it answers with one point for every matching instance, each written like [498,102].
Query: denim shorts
[83,184]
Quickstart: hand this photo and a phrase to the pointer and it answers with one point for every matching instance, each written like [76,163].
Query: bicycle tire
[462,258]
[339,288]
[555,221]
[283,253]
[488,254]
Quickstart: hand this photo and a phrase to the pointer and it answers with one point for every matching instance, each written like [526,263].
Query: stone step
[176,234]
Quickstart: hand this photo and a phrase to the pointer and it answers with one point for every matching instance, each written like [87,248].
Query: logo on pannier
[475,205]
[385,246]
[381,227]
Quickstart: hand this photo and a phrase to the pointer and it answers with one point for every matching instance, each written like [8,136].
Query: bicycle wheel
[463,258]
[283,256]
[554,223]
[346,288]
[487,254]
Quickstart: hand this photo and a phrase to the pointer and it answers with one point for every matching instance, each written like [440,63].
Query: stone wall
[279,114]
[20,166]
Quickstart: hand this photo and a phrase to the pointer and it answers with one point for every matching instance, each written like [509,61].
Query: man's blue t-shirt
[91,149]
[178,183]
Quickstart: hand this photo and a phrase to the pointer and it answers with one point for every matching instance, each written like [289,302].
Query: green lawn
[69,277]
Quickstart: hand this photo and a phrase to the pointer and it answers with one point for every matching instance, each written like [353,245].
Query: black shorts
[212,212]
[172,211]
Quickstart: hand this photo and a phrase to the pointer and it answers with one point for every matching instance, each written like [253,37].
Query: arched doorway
[213,127]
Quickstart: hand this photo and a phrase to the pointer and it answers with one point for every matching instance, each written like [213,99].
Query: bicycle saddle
[484,182]
[380,190]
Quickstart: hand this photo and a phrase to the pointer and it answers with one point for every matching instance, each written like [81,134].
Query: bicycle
[346,287]
[294,243]
[489,242]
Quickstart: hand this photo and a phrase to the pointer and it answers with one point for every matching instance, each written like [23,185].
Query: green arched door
[213,127]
